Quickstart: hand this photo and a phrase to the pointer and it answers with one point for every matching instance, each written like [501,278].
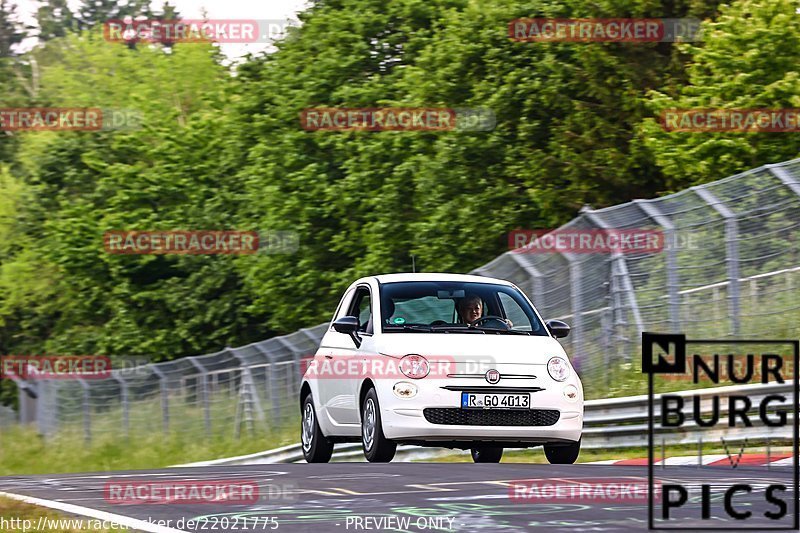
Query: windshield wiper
[455,328]
[509,331]
[443,327]
[407,327]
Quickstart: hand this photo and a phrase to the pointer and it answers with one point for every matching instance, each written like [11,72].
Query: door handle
[328,357]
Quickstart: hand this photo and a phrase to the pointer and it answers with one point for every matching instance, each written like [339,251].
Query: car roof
[438,276]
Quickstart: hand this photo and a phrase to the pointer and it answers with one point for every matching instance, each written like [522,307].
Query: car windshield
[453,306]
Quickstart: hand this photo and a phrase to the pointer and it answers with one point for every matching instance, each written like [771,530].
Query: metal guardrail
[611,424]
[348,452]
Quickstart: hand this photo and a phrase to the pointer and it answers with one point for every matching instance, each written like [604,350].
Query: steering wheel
[500,320]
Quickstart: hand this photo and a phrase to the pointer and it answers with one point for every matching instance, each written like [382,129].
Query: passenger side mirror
[558,328]
[349,326]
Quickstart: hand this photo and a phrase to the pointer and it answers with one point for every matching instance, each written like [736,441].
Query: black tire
[560,454]
[377,448]
[316,447]
[487,454]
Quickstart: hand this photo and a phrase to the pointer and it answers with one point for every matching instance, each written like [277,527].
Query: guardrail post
[731,251]
[47,407]
[28,395]
[273,385]
[86,405]
[576,302]
[607,325]
[292,388]
[125,412]
[793,185]
[699,452]
[162,384]
[204,388]
[537,287]
[247,383]
[769,454]
[787,179]
[619,270]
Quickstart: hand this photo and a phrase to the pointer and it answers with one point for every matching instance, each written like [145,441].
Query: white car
[441,360]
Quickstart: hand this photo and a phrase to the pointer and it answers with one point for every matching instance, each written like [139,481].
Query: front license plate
[472,400]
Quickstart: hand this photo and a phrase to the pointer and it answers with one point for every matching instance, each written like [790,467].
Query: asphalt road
[416,497]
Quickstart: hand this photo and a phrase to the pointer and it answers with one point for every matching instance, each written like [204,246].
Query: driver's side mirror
[558,328]
[349,326]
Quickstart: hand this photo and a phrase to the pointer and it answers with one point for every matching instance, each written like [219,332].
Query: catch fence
[729,268]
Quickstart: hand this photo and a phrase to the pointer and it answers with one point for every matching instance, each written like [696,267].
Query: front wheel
[559,454]
[487,454]
[316,447]
[377,448]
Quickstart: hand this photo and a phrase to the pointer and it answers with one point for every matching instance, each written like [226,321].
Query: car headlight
[414,366]
[558,368]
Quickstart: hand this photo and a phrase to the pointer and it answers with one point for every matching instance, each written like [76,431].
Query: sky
[216,9]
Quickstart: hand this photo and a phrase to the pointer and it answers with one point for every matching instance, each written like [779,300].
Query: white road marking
[126,521]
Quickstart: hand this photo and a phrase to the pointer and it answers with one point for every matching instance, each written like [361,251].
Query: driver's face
[472,311]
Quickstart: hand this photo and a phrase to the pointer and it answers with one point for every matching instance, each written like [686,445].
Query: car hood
[467,346]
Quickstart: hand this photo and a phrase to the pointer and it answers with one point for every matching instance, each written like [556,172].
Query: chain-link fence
[252,388]
[729,267]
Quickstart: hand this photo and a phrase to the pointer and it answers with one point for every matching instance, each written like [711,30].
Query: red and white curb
[748,459]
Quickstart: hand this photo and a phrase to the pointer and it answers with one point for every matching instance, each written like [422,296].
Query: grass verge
[19,516]
[23,451]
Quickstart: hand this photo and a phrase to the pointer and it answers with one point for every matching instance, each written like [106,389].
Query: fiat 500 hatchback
[441,360]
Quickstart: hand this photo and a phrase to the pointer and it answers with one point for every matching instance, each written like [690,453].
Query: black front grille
[453,416]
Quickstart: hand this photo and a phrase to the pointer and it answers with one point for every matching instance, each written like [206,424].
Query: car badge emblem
[492,376]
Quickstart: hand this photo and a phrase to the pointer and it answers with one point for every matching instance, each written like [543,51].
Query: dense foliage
[575,125]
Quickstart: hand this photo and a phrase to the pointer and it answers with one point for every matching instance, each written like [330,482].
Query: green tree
[172,173]
[566,134]
[747,59]
[96,12]
[55,19]
[11,30]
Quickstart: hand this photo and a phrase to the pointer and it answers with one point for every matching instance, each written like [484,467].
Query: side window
[362,308]
[514,313]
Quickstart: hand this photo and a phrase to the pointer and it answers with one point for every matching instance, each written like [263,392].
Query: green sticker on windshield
[399,320]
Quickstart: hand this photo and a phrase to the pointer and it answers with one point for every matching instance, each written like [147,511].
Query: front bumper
[404,419]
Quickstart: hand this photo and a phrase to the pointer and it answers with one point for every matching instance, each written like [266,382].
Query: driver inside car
[470,309]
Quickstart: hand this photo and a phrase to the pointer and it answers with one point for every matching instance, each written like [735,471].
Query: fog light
[571,393]
[405,390]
